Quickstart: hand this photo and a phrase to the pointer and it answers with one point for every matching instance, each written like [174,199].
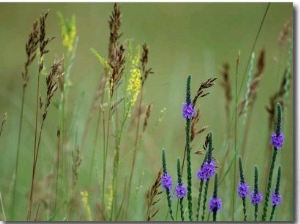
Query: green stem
[235,139]
[199,199]
[204,199]
[188,150]
[269,185]
[244,209]
[17,158]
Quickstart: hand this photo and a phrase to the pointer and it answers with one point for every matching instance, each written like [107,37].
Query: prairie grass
[113,107]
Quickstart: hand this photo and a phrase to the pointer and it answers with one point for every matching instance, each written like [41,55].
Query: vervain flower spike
[243,188]
[215,203]
[166,183]
[276,198]
[256,196]
[277,139]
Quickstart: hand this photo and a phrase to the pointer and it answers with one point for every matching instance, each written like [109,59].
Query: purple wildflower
[181,191]
[207,170]
[166,182]
[188,111]
[276,198]
[256,198]
[215,204]
[243,190]
[277,141]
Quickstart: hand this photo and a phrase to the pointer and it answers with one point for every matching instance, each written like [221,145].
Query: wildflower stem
[276,191]
[199,199]
[167,189]
[188,150]
[215,196]
[180,184]
[272,212]
[204,198]
[242,181]
[255,192]
[278,127]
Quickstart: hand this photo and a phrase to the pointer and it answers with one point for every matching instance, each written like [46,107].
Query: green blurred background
[184,38]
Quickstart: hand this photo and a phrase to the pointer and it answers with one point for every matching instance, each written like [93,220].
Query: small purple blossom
[166,182]
[215,204]
[188,111]
[181,191]
[276,198]
[207,170]
[243,190]
[277,141]
[256,198]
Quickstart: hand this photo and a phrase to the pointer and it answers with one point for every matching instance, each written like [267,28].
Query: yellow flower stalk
[134,84]
[68,31]
[84,198]
[101,59]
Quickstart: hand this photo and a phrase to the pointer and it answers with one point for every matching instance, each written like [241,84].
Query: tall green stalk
[277,132]
[180,184]
[166,187]
[188,150]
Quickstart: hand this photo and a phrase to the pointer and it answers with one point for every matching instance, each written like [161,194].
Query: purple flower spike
[215,204]
[276,198]
[188,111]
[181,191]
[207,170]
[243,190]
[256,198]
[277,141]
[166,182]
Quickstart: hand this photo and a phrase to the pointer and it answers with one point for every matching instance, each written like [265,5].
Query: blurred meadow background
[75,175]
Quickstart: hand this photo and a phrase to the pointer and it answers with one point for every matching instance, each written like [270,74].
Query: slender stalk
[277,131]
[269,185]
[35,142]
[57,167]
[167,187]
[199,200]
[188,150]
[204,199]
[255,191]
[104,156]
[235,137]
[180,184]
[276,192]
[241,86]
[135,145]
[18,152]
[254,43]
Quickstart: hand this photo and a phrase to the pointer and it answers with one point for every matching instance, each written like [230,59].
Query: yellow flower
[84,198]
[68,31]
[134,84]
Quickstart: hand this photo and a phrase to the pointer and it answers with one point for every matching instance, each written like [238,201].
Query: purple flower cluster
[276,198]
[256,198]
[243,190]
[277,141]
[166,182]
[207,170]
[181,191]
[188,111]
[215,204]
